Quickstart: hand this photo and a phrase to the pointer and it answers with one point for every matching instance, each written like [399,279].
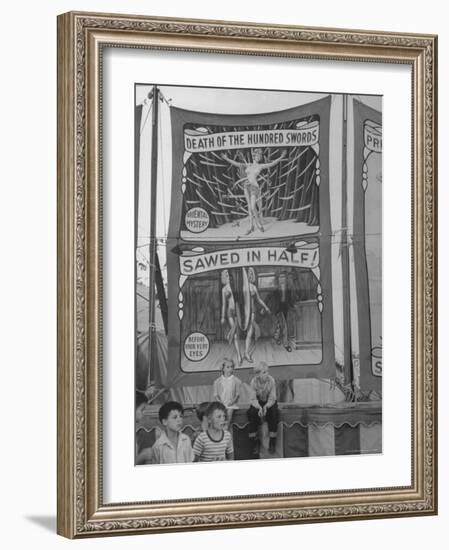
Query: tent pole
[137,122]
[347,344]
[153,210]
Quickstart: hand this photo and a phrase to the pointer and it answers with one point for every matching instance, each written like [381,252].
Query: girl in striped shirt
[215,443]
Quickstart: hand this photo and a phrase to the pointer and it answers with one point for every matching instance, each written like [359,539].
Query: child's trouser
[271,416]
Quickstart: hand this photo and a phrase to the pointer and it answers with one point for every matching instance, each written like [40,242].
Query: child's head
[227,367]
[216,415]
[261,371]
[201,410]
[171,415]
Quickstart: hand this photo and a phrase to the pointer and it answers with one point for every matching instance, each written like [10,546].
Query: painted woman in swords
[230,312]
[251,171]
[252,300]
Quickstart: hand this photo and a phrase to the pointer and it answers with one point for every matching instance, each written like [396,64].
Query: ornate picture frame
[83,510]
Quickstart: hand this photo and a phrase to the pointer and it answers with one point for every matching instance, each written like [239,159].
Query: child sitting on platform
[226,388]
[173,446]
[263,407]
[215,443]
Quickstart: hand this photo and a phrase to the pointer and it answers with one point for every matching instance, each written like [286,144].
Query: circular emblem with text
[196,220]
[196,346]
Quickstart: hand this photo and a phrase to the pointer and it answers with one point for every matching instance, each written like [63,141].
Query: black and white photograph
[258,274]
[220,224]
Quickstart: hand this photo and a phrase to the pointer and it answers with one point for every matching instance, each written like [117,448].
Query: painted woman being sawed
[251,171]
[252,300]
[230,312]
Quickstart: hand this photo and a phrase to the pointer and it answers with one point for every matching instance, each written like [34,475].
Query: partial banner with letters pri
[367,243]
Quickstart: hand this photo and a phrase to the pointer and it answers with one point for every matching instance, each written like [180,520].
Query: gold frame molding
[81,37]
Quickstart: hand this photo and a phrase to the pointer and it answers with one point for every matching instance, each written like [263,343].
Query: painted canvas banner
[367,244]
[249,244]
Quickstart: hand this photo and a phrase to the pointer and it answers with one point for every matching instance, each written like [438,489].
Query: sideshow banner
[367,244]
[249,244]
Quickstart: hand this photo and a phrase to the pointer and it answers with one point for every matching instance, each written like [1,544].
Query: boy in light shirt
[173,446]
[263,406]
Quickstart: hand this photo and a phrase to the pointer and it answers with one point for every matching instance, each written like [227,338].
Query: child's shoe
[255,449]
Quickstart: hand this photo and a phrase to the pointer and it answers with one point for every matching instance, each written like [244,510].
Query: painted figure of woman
[251,171]
[229,312]
[252,298]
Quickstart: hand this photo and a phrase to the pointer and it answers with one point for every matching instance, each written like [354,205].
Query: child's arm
[155,455]
[145,456]
[272,395]
[215,392]
[190,455]
[253,396]
[238,385]
[230,448]
[197,448]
